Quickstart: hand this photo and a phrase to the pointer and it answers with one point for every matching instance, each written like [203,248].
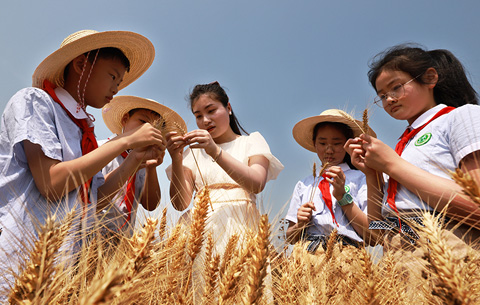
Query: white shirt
[438,148]
[322,222]
[32,115]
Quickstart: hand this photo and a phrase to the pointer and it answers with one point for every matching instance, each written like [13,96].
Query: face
[213,117]
[106,76]
[417,97]
[329,145]
[138,118]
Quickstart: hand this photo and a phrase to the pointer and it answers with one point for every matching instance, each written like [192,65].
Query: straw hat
[114,111]
[303,130]
[138,49]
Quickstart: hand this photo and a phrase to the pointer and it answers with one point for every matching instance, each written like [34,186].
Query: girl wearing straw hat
[335,196]
[48,157]
[125,114]
[235,167]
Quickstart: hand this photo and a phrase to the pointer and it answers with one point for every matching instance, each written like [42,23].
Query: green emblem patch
[347,188]
[423,139]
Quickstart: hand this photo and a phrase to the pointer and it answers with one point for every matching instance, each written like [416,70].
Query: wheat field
[178,264]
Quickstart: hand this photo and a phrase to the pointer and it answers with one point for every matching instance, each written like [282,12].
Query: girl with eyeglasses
[430,90]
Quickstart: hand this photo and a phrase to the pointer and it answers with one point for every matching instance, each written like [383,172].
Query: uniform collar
[70,103]
[426,116]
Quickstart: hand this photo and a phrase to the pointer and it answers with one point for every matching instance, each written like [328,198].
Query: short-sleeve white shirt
[322,222]
[438,148]
[32,115]
[115,216]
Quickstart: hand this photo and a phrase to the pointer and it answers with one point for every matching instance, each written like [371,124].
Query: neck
[228,136]
[71,86]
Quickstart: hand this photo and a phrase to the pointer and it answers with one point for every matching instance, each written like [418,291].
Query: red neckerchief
[129,194]
[89,142]
[324,187]
[406,136]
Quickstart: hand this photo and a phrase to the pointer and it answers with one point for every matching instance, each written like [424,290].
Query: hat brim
[114,112]
[137,48]
[303,130]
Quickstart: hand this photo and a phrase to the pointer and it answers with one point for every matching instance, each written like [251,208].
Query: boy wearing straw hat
[335,196]
[49,161]
[122,115]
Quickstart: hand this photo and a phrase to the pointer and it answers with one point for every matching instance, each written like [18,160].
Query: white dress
[234,209]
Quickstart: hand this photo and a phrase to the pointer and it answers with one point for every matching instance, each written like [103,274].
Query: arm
[354,214]
[146,157]
[251,177]
[54,178]
[440,193]
[151,193]
[374,178]
[181,184]
[304,215]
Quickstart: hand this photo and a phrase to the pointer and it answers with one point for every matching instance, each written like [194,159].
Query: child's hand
[175,145]
[378,155]
[336,177]
[149,156]
[304,214]
[143,136]
[357,155]
[200,138]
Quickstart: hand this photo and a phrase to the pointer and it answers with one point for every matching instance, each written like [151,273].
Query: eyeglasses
[396,93]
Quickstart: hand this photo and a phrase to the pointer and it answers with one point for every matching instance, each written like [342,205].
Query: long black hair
[216,92]
[453,87]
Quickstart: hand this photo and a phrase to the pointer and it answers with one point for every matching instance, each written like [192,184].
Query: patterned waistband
[317,240]
[392,223]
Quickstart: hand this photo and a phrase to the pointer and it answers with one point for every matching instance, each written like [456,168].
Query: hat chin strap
[81,98]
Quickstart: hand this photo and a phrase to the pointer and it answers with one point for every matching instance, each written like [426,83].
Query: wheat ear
[197,226]
[257,269]
[346,116]
[142,246]
[211,271]
[365,120]
[468,184]
[450,287]
[163,224]
[36,278]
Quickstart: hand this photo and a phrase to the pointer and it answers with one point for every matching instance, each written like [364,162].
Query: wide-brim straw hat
[303,130]
[138,49]
[114,112]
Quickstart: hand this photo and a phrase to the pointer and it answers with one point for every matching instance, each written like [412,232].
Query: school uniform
[117,217]
[322,222]
[31,114]
[437,149]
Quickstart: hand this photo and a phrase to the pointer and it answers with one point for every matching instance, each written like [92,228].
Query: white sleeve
[464,132]
[258,146]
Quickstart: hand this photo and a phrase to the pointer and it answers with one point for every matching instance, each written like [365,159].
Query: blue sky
[280,61]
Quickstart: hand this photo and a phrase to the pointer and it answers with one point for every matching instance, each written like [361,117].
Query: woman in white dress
[235,167]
